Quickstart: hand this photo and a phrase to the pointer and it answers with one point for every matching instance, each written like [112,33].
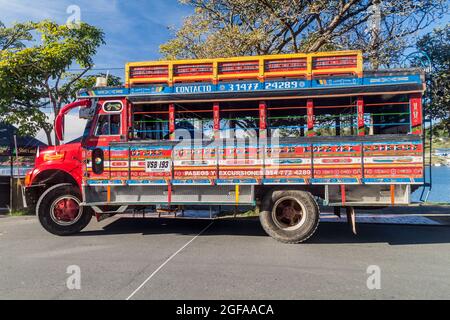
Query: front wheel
[289,216]
[60,212]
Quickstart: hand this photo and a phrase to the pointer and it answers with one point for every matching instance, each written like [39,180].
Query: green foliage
[20,213]
[13,38]
[224,28]
[34,70]
[437,99]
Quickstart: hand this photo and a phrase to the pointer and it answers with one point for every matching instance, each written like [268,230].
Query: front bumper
[24,197]
[30,195]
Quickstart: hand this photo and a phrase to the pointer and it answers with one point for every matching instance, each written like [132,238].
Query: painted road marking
[165,262]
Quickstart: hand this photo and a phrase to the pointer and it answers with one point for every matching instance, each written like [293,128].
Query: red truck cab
[59,169]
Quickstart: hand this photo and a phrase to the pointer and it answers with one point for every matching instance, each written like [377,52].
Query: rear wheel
[290,216]
[59,210]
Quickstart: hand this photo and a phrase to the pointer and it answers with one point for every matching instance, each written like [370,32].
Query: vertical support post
[371,132]
[216,120]
[338,125]
[416,114]
[172,121]
[130,131]
[302,126]
[236,191]
[215,72]
[261,70]
[170,77]
[360,112]
[310,118]
[343,195]
[352,126]
[359,64]
[392,194]
[309,66]
[262,120]
[11,177]
[169,192]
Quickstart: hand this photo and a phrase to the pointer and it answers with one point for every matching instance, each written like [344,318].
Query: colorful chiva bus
[281,133]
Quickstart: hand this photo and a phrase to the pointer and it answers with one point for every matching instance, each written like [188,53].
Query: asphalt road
[125,258]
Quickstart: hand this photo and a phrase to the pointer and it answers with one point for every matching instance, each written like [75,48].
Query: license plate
[159,165]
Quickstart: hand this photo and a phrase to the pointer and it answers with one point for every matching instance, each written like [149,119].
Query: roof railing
[298,65]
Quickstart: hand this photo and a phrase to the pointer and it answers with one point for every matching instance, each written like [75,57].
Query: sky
[133,29]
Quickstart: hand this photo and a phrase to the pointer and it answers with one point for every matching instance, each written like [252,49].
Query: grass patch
[240,213]
[19,213]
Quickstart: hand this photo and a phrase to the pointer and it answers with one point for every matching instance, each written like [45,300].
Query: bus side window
[108,125]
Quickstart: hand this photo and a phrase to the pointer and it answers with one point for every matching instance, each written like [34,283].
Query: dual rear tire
[289,216]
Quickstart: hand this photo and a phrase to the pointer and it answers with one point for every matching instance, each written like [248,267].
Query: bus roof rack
[306,65]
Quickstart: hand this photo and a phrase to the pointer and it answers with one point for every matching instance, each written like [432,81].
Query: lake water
[440,191]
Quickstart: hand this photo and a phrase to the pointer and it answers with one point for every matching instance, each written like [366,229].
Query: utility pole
[11,179]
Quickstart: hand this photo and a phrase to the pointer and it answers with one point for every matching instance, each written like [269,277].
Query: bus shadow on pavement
[327,232]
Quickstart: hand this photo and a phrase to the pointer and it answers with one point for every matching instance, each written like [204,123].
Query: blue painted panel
[192,182]
[252,86]
[146,182]
[334,181]
[284,181]
[236,181]
[415,78]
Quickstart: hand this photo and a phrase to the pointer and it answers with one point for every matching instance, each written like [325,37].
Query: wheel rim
[66,210]
[288,214]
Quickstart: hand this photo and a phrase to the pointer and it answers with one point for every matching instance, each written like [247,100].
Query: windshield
[87,129]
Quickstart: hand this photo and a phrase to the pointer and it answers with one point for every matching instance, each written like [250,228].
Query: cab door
[105,163]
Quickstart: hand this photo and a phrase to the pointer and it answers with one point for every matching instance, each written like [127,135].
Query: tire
[302,213]
[68,220]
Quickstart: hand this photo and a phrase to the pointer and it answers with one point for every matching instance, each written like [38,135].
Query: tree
[224,28]
[37,76]
[13,38]
[437,47]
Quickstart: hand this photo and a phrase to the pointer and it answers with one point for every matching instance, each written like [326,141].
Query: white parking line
[165,262]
